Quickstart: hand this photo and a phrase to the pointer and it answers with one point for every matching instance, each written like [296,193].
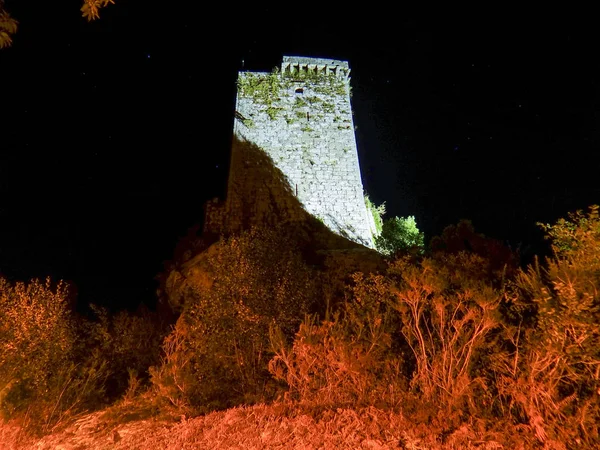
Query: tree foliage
[90,10]
[448,334]
[127,342]
[396,234]
[377,212]
[8,27]
[55,364]
[448,313]
[574,238]
[500,260]
[399,234]
[217,354]
[46,374]
[552,379]
[350,358]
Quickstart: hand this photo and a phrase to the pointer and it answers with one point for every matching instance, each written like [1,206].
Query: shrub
[174,380]
[551,381]
[448,315]
[128,343]
[350,359]
[431,322]
[42,378]
[377,212]
[400,234]
[499,260]
[230,296]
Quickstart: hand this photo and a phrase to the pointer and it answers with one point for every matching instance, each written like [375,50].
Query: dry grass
[275,426]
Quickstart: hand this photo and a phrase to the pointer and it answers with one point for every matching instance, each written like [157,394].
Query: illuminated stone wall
[301,117]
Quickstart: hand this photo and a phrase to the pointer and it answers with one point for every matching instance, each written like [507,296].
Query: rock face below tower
[301,118]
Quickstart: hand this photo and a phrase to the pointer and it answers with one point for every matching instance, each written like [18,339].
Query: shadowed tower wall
[300,116]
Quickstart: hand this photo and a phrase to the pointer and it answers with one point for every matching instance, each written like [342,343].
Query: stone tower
[300,116]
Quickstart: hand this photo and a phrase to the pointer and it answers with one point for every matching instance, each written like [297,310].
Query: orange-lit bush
[339,362]
[217,353]
[551,381]
[429,322]
[498,260]
[127,343]
[41,379]
[449,313]
[349,359]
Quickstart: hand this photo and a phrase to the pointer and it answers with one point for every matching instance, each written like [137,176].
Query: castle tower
[300,116]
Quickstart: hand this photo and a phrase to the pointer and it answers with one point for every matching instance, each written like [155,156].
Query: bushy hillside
[452,348]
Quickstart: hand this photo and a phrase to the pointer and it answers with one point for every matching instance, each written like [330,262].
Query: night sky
[114,133]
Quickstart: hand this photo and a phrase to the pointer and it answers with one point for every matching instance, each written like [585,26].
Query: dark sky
[114,133]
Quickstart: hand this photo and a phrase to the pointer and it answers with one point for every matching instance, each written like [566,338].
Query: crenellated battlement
[293,65]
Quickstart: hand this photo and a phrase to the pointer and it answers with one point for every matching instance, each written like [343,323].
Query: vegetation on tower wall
[377,212]
[268,88]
